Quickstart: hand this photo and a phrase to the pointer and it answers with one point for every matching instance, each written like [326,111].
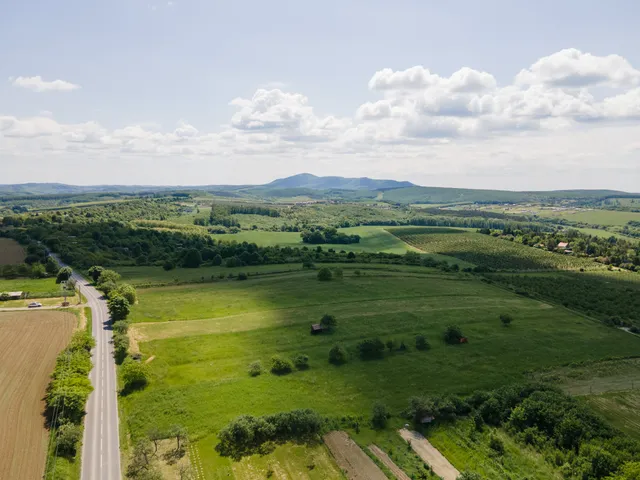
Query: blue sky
[195,92]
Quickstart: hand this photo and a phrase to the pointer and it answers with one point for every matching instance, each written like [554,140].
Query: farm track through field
[29,345]
[350,457]
[386,460]
[430,454]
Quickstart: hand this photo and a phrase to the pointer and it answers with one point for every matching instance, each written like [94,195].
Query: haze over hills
[306,184]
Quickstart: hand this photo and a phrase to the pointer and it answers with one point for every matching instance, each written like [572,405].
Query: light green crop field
[471,451]
[199,371]
[593,217]
[45,287]
[596,232]
[488,251]
[373,239]
[621,409]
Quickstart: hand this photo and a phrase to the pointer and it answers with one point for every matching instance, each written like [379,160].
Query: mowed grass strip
[11,252]
[488,251]
[201,380]
[45,287]
[621,409]
[29,344]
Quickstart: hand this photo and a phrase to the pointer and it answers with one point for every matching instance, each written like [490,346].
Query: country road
[100,444]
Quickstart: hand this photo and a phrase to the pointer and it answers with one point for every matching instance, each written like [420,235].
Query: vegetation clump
[324,274]
[338,355]
[281,366]
[301,361]
[371,348]
[453,335]
[422,343]
[255,368]
[506,319]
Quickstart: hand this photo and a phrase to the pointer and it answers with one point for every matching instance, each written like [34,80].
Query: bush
[281,366]
[120,347]
[242,276]
[506,319]
[255,368]
[328,321]
[324,274]
[134,375]
[496,445]
[380,415]
[337,355]
[67,439]
[119,307]
[301,361]
[168,265]
[371,348]
[421,343]
[453,334]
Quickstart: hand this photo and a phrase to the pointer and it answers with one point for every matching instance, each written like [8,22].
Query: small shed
[563,245]
[317,328]
[427,419]
[14,295]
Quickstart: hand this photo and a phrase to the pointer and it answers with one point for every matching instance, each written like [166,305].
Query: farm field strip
[621,409]
[488,251]
[11,252]
[438,462]
[387,462]
[25,337]
[350,457]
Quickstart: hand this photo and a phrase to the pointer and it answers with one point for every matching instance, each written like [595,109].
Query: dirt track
[29,344]
[386,460]
[351,459]
[430,455]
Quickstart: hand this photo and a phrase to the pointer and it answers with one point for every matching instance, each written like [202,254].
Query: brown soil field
[350,457]
[430,454]
[29,344]
[387,462]
[11,253]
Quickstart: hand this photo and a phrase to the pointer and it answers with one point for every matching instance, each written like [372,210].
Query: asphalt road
[100,444]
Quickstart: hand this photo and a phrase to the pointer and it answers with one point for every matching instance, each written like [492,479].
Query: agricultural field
[29,344]
[201,338]
[621,409]
[487,251]
[593,217]
[11,252]
[372,239]
[40,287]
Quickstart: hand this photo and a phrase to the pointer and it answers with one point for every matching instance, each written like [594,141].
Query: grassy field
[29,344]
[486,250]
[470,451]
[199,376]
[621,409]
[11,253]
[44,287]
[373,239]
[593,217]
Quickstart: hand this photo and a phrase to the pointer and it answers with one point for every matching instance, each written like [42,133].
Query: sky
[494,94]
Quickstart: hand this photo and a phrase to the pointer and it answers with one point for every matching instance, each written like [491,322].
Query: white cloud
[37,84]
[548,118]
[573,68]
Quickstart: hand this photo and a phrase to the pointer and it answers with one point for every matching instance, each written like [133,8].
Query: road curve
[100,443]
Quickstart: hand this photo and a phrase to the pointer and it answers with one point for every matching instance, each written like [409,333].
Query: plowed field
[29,344]
[11,253]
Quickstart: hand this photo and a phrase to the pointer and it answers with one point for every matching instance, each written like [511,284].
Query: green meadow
[44,287]
[199,367]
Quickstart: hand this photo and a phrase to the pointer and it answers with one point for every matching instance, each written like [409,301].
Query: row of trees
[317,235]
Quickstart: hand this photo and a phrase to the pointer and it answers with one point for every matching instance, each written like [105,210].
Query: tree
[64,274]
[337,355]
[380,415]
[629,471]
[301,361]
[351,256]
[120,347]
[38,271]
[453,334]
[328,321]
[192,259]
[94,272]
[168,265]
[155,435]
[134,375]
[420,407]
[51,266]
[128,292]
[506,319]
[390,345]
[140,458]
[371,348]
[119,307]
[108,276]
[324,274]
[422,343]
[217,260]
[179,433]
[67,439]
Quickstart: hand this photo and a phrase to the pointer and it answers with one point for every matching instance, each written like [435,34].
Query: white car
[34,305]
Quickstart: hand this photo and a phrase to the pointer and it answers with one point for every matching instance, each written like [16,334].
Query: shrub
[380,415]
[301,361]
[168,265]
[421,343]
[119,307]
[67,439]
[281,366]
[255,368]
[134,375]
[337,355]
[120,327]
[506,319]
[64,274]
[390,345]
[328,321]
[371,348]
[324,274]
[496,445]
[453,334]
[120,347]
[242,276]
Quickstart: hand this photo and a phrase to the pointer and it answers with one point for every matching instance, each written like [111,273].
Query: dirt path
[386,460]
[430,455]
[351,459]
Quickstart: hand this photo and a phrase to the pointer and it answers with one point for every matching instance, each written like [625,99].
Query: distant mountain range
[312,186]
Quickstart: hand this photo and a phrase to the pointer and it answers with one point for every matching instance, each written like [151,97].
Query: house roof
[563,244]
[14,294]
[317,326]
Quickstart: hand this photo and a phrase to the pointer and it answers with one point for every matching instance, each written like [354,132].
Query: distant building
[427,419]
[14,295]
[563,245]
[317,328]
